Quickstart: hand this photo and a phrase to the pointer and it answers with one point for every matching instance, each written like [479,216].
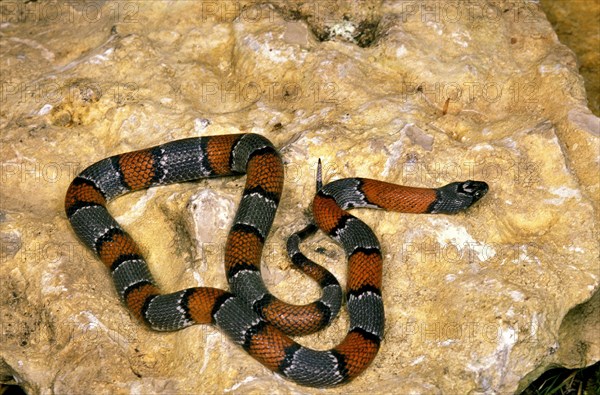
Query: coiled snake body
[248,314]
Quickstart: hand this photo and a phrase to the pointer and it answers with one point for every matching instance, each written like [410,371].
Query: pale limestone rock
[475,303]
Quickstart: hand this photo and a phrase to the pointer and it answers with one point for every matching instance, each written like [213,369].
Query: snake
[247,313]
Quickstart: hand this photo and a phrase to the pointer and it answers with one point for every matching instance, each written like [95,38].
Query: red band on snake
[248,314]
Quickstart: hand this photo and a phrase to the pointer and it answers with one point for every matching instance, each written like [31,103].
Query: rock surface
[576,24]
[418,93]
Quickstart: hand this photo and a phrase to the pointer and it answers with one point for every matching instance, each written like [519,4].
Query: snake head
[458,196]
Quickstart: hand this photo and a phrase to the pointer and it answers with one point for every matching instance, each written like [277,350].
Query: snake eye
[475,189]
[467,187]
[479,189]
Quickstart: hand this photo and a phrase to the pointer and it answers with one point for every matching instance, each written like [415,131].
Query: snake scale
[248,314]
